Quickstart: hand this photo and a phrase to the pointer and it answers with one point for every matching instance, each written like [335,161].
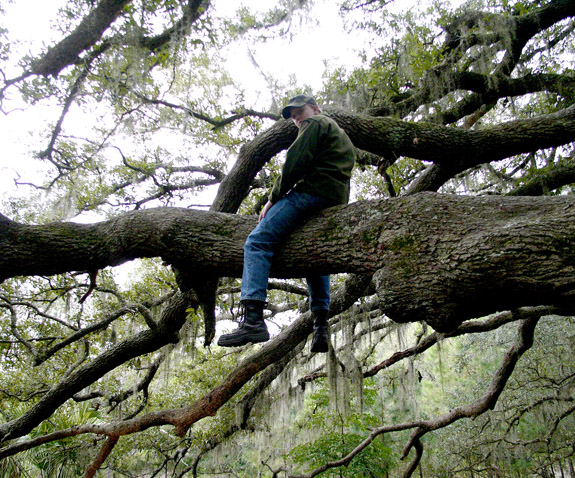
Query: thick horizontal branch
[453,149]
[457,148]
[544,182]
[439,258]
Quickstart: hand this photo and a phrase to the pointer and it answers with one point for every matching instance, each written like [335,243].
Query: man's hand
[265,210]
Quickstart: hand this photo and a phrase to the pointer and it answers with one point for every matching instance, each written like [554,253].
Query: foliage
[339,435]
[151,114]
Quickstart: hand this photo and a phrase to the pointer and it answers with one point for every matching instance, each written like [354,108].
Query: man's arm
[265,210]
[299,156]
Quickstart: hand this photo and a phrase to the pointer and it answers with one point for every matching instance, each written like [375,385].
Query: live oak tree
[463,223]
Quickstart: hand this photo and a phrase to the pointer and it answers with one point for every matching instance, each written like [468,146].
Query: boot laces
[243,312]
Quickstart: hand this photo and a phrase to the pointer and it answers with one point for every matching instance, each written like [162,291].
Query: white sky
[303,56]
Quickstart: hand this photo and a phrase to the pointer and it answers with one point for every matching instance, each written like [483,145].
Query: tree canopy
[453,265]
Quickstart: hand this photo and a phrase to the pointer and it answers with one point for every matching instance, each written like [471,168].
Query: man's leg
[281,219]
[319,305]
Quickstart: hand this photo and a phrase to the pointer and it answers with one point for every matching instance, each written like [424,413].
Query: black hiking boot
[252,328]
[319,341]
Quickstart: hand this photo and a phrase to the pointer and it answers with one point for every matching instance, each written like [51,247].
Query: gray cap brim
[297,102]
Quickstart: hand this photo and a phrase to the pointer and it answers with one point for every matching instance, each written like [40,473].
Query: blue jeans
[281,219]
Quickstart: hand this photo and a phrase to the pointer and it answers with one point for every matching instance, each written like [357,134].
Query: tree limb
[173,318]
[183,418]
[83,37]
[472,257]
[452,150]
[481,405]
[561,175]
[105,451]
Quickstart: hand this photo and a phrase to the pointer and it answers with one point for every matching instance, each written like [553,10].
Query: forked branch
[487,402]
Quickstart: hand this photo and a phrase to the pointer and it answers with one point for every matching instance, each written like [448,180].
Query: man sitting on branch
[316,175]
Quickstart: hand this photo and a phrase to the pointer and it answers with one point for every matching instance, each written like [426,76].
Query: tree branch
[481,405]
[183,418]
[472,257]
[173,318]
[561,175]
[89,31]
[105,451]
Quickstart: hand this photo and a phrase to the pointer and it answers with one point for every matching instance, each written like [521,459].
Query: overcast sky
[304,55]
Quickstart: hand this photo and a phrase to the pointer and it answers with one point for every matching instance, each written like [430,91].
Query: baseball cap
[297,102]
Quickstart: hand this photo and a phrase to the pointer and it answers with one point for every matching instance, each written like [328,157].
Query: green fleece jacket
[319,162]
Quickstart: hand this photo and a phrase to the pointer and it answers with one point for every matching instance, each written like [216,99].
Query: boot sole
[319,347]
[238,341]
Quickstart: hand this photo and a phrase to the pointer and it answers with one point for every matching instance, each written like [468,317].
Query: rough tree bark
[92,27]
[452,150]
[438,258]
[83,37]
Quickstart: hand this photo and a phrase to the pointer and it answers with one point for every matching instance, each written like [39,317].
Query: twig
[101,457]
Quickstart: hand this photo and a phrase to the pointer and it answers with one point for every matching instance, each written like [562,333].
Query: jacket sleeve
[298,159]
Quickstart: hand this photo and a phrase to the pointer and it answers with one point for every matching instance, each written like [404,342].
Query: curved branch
[105,451]
[173,318]
[452,150]
[469,327]
[183,418]
[559,176]
[461,35]
[252,157]
[418,446]
[193,10]
[216,123]
[82,38]
[487,402]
